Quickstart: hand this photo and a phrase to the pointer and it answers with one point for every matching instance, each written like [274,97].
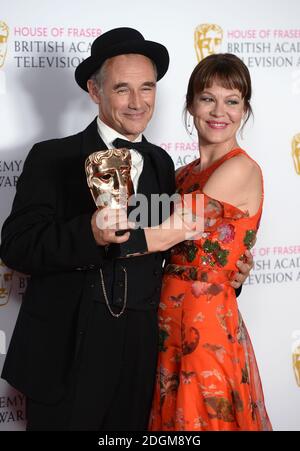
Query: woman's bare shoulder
[237,181]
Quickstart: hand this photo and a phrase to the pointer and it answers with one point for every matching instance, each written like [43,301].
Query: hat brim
[156,52]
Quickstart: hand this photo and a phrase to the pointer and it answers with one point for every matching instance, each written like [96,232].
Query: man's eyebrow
[126,85]
[120,85]
[149,83]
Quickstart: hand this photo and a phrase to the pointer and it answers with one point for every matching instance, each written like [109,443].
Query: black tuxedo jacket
[48,235]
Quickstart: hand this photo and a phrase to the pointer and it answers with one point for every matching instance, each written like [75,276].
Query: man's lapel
[162,162]
[91,141]
[164,168]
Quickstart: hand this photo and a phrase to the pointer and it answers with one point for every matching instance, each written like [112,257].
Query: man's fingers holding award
[111,218]
[107,222]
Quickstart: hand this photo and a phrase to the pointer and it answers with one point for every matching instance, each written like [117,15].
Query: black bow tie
[141,147]
[161,161]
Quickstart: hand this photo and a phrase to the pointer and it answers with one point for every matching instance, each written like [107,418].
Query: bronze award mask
[296,152]
[296,364]
[6,276]
[108,177]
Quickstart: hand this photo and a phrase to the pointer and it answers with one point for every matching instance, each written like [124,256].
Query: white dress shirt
[108,135]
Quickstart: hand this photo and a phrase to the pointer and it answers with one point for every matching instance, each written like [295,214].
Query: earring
[190,128]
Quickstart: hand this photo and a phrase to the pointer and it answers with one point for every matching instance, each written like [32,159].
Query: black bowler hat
[120,41]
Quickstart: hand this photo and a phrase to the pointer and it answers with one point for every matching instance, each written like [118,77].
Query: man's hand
[244,270]
[106,222]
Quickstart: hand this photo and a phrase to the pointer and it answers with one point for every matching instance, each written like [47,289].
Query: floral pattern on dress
[226,233]
[250,237]
[207,377]
[216,255]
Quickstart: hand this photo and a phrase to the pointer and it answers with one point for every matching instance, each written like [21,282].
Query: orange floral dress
[207,376]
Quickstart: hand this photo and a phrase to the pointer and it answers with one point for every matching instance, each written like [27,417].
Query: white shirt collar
[108,134]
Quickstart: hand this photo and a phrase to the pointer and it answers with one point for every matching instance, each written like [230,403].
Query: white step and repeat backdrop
[41,43]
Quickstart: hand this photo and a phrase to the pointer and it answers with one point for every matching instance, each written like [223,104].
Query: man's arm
[34,238]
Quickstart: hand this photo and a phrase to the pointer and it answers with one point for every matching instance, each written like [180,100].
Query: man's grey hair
[99,76]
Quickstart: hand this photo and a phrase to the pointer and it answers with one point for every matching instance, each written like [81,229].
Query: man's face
[127,95]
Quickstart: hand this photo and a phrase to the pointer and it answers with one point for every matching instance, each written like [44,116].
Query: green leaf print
[219,254]
[249,238]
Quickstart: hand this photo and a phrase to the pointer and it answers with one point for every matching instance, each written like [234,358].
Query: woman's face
[217,113]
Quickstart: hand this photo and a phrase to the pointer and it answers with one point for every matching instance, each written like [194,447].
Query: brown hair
[227,70]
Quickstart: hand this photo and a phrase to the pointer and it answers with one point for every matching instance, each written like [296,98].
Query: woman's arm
[238,182]
[182,225]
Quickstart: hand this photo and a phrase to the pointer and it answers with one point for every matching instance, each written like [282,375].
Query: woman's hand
[244,270]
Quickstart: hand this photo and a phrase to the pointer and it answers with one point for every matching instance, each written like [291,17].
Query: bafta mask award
[207,40]
[3,41]
[296,364]
[296,152]
[4,32]
[6,276]
[108,177]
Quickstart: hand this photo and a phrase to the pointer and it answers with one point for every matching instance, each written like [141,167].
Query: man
[85,342]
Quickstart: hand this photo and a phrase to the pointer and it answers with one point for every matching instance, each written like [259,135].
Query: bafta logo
[4,31]
[207,40]
[296,364]
[108,177]
[296,152]
[6,276]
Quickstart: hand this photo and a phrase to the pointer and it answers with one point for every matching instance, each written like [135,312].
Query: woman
[207,378]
